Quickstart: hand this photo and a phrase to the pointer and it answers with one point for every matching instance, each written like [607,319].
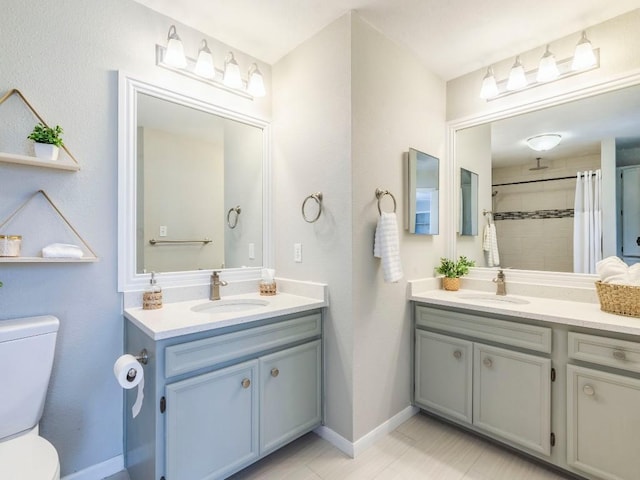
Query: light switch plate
[297,252]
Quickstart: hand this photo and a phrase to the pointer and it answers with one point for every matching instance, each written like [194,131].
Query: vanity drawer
[190,356]
[605,351]
[530,337]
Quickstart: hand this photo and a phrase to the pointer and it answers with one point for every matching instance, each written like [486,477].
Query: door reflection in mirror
[423,193]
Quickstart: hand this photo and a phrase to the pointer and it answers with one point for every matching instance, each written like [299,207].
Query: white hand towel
[613,270]
[490,245]
[62,250]
[386,247]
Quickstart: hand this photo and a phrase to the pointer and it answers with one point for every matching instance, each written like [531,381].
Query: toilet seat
[29,457]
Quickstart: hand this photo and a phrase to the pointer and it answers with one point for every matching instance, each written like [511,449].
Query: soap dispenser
[152,296]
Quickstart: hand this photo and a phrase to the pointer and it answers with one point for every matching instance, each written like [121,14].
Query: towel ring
[318,199]
[236,209]
[382,193]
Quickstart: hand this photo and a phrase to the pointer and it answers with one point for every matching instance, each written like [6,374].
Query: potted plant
[48,141]
[453,270]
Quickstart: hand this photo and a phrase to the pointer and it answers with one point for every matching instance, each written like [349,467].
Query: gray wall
[64,56]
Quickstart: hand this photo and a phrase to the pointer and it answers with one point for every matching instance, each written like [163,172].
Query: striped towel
[386,247]
[490,245]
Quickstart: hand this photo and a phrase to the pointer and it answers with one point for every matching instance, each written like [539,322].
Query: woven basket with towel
[619,287]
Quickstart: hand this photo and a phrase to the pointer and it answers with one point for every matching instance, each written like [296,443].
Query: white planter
[46,151]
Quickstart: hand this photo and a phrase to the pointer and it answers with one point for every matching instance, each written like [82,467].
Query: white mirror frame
[128,279]
[529,276]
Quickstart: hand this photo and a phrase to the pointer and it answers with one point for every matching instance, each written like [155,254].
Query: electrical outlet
[297,252]
[252,251]
[163,230]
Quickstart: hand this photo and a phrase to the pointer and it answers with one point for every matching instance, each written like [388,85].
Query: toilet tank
[27,346]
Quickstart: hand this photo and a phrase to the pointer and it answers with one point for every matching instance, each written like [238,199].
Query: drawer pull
[246,383]
[619,355]
[487,362]
[275,372]
[589,390]
[457,354]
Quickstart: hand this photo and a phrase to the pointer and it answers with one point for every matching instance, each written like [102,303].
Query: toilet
[27,346]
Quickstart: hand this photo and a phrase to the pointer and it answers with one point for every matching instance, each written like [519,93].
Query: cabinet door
[290,394]
[443,372]
[512,396]
[603,423]
[211,424]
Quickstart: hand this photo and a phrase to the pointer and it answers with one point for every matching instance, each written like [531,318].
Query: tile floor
[421,448]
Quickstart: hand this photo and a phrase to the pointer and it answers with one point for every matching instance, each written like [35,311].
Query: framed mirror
[468,202]
[423,187]
[532,193]
[193,189]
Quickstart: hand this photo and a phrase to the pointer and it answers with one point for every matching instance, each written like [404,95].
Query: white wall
[64,56]
[343,131]
[397,104]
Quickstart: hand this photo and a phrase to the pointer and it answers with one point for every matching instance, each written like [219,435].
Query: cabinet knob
[588,390]
[457,354]
[619,355]
[275,372]
[246,383]
[487,362]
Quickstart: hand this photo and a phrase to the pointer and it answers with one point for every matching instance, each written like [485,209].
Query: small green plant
[43,134]
[453,269]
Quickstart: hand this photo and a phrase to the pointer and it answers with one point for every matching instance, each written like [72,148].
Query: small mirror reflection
[468,202]
[423,186]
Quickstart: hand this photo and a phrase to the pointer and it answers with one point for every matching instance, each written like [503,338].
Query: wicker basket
[619,299]
[268,288]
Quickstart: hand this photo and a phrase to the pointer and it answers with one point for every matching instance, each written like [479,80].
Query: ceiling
[451,37]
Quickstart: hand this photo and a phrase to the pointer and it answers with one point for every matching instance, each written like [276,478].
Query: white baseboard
[353,449]
[99,470]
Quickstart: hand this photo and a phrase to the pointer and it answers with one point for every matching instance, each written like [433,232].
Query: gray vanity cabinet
[212,423]
[512,396]
[497,390]
[217,401]
[603,407]
[443,374]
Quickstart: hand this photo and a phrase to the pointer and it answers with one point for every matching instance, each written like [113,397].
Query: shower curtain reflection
[587,222]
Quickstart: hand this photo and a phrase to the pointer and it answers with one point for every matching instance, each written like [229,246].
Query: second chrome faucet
[214,287]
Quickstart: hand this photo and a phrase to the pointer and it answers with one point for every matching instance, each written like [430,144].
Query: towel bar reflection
[318,199]
[238,211]
[153,241]
[381,193]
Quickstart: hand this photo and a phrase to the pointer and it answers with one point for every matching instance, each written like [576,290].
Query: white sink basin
[488,297]
[229,305]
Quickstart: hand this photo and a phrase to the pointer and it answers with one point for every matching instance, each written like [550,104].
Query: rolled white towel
[634,273]
[612,268]
[62,250]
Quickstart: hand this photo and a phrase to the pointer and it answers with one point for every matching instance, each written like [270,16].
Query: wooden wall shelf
[61,164]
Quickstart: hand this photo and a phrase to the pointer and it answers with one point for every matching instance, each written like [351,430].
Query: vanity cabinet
[603,407]
[217,401]
[498,390]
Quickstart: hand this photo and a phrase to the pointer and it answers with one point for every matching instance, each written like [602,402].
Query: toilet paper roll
[129,373]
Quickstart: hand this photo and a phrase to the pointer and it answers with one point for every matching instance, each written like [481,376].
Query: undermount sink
[488,297]
[229,305]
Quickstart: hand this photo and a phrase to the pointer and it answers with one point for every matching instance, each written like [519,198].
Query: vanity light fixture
[231,77]
[175,50]
[204,66]
[548,69]
[489,86]
[172,57]
[517,78]
[544,142]
[255,84]
[584,56]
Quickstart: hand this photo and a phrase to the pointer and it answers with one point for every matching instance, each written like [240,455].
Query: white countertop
[175,319]
[579,314]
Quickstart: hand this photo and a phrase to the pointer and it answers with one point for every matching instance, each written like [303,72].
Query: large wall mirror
[193,188]
[531,193]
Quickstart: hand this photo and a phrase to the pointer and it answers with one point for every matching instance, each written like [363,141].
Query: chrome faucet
[214,287]
[500,283]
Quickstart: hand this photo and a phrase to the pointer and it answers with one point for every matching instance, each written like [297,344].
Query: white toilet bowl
[29,457]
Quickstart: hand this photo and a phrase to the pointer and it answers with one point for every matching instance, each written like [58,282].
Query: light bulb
[255,84]
[204,66]
[583,57]
[232,77]
[548,69]
[517,77]
[489,86]
[174,55]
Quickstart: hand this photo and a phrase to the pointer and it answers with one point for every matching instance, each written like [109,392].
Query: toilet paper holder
[143,356]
